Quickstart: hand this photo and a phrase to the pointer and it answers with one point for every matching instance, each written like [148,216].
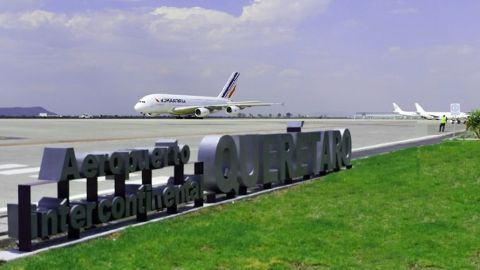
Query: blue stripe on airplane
[234,79]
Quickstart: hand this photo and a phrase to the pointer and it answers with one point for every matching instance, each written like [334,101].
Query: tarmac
[22,142]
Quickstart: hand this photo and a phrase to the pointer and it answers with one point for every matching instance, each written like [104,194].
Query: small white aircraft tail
[419,108]
[230,87]
[423,113]
[397,108]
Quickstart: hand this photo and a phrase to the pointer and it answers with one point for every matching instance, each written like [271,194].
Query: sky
[316,56]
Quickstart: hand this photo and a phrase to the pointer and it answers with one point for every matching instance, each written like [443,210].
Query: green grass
[414,209]
[468,134]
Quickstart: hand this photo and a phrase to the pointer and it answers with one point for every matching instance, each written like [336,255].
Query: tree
[473,122]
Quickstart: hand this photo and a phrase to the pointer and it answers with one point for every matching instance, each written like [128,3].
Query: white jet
[398,110]
[438,115]
[199,106]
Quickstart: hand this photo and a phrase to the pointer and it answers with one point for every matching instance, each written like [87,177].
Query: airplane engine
[201,112]
[232,109]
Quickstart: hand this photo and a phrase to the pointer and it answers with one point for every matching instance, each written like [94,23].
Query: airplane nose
[137,107]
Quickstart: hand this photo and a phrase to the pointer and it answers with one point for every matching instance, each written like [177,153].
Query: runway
[22,141]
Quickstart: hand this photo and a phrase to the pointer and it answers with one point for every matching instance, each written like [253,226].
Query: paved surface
[22,142]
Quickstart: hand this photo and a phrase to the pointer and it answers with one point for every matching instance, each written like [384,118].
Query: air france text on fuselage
[172,100]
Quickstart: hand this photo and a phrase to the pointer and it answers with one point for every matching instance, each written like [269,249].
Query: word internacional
[230,164]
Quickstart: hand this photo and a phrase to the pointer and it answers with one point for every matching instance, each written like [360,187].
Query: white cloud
[279,11]
[290,72]
[262,23]
[207,15]
[40,17]
[394,49]
[408,10]
[277,45]
[458,50]
[133,52]
[265,21]
[19,5]
[433,51]
[30,20]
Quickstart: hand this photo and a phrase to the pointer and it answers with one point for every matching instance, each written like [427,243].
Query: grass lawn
[413,209]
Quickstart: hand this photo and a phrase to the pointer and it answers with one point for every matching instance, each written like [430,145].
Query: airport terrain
[22,142]
[412,209]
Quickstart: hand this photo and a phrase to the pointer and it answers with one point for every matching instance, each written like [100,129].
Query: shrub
[473,122]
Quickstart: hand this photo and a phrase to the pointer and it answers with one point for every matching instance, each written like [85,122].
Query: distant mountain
[24,111]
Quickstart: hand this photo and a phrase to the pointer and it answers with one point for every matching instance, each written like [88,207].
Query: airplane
[398,110]
[438,115]
[198,106]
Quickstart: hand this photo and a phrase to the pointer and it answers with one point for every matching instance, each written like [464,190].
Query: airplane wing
[246,104]
[217,107]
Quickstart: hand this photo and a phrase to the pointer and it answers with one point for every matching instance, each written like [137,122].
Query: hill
[24,111]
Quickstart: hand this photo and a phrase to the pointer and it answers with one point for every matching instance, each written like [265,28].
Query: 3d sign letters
[227,164]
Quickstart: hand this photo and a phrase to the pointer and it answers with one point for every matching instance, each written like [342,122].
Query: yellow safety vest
[444,120]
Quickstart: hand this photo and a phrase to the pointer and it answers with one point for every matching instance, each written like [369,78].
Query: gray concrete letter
[219,156]
[58,164]
[247,149]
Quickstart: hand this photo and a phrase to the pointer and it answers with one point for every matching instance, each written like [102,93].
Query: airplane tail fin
[419,108]
[230,87]
[396,108]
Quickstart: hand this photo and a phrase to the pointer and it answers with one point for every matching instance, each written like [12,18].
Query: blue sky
[315,55]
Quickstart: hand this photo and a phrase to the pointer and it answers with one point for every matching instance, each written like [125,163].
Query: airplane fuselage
[156,104]
[404,113]
[438,115]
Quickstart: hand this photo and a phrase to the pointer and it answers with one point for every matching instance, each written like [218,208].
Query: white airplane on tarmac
[199,106]
[438,115]
[398,110]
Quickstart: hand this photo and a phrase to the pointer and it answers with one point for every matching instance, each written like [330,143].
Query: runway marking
[370,147]
[99,179]
[12,166]
[20,171]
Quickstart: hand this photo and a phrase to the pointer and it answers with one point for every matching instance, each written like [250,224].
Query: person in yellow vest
[443,121]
